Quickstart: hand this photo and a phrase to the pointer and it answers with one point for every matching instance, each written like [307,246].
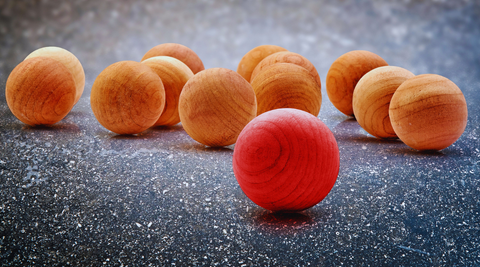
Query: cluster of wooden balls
[426,112]
[285,158]
[170,85]
[273,99]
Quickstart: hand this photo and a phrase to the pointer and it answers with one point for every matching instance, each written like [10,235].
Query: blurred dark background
[423,36]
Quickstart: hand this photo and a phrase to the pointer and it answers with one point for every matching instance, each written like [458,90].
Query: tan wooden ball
[40,91]
[287,57]
[345,72]
[371,99]
[286,85]
[251,59]
[174,74]
[127,97]
[215,105]
[69,60]
[428,112]
[178,51]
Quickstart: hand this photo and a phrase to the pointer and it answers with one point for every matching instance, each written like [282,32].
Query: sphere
[286,57]
[69,60]
[174,74]
[371,99]
[40,91]
[215,105]
[286,85]
[345,72]
[251,59]
[127,97]
[286,160]
[178,51]
[428,112]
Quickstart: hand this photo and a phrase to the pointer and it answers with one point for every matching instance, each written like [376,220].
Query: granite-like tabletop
[76,194]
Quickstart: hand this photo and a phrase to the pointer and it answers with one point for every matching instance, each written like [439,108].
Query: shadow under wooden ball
[215,105]
[69,60]
[371,99]
[428,112]
[251,59]
[40,91]
[286,85]
[127,97]
[174,74]
[178,51]
[287,57]
[345,72]
[66,128]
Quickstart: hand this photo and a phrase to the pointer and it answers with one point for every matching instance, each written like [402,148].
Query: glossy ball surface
[215,105]
[178,51]
[40,91]
[69,60]
[371,99]
[344,74]
[428,112]
[286,160]
[287,57]
[286,85]
[127,97]
[251,59]
[174,74]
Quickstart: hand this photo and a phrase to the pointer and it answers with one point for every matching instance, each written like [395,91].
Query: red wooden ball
[286,160]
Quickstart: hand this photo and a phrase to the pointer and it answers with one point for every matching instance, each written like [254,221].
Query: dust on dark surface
[77,194]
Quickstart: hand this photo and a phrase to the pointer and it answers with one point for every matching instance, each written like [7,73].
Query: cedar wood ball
[286,85]
[428,112]
[69,60]
[371,99]
[215,105]
[40,91]
[345,72]
[286,160]
[287,57]
[178,51]
[251,59]
[127,97]
[174,74]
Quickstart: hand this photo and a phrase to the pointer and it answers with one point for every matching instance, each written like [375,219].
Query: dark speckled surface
[77,194]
